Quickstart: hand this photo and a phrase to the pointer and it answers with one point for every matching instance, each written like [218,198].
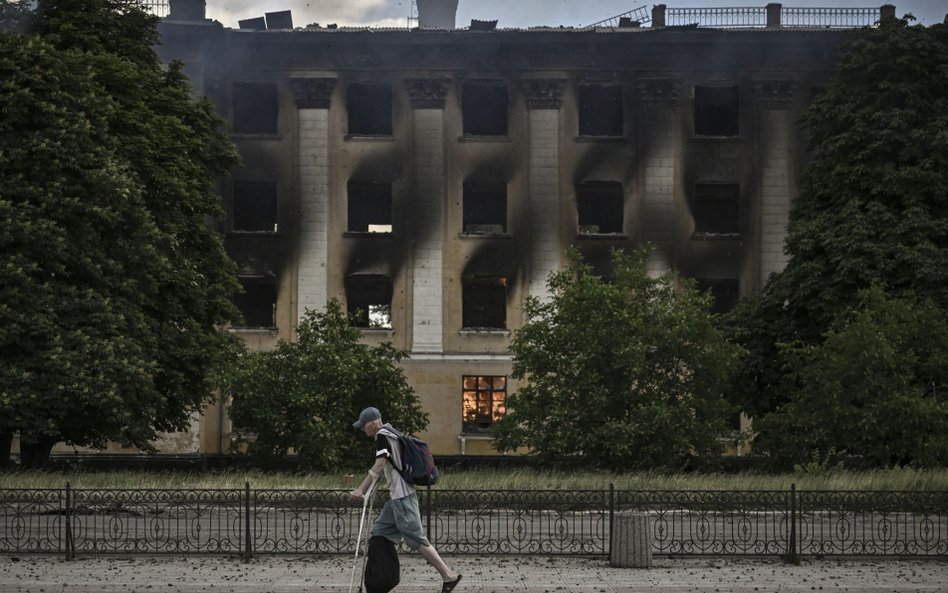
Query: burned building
[432,177]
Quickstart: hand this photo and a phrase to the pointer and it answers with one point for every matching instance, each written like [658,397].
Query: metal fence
[249,521]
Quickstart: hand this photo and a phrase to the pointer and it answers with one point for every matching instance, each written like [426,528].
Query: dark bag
[381,569]
[418,464]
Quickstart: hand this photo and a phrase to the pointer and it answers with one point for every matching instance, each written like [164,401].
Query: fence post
[428,512]
[792,540]
[68,535]
[248,545]
[612,517]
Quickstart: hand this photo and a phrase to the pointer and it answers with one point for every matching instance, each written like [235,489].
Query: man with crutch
[400,517]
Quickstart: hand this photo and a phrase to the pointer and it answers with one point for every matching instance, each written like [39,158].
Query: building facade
[432,178]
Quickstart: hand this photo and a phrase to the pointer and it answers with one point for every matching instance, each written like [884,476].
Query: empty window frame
[254,206]
[370,207]
[485,208]
[257,302]
[599,207]
[717,110]
[484,108]
[724,291]
[485,402]
[370,109]
[716,209]
[369,301]
[484,302]
[600,110]
[255,108]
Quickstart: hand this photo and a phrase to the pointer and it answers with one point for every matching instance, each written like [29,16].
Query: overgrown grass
[532,479]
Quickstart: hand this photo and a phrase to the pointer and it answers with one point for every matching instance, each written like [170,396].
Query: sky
[517,13]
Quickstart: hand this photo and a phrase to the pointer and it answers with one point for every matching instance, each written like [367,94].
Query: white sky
[516,13]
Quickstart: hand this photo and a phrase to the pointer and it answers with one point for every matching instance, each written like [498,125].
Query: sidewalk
[482,574]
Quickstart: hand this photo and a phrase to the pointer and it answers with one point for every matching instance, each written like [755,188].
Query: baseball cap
[367,415]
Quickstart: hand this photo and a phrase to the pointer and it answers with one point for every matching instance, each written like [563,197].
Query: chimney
[437,14]
[186,10]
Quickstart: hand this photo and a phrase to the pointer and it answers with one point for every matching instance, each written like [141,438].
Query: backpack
[418,464]
[382,571]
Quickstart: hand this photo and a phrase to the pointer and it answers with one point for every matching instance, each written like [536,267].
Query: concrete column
[773,15]
[426,226]
[658,101]
[313,97]
[775,130]
[658,15]
[543,179]
[186,10]
[887,11]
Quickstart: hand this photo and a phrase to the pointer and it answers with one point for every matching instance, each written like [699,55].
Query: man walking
[400,517]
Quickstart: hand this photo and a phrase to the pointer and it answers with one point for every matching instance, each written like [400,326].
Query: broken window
[369,301]
[715,209]
[599,207]
[255,206]
[717,110]
[257,302]
[484,302]
[600,110]
[370,207]
[484,106]
[255,108]
[370,109]
[485,208]
[724,291]
[485,402]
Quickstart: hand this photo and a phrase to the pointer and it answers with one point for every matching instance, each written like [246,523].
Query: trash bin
[631,541]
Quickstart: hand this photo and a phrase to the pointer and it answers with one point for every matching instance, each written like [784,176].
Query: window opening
[484,106]
[257,302]
[716,209]
[369,301]
[484,303]
[717,110]
[370,207]
[255,206]
[485,402]
[255,108]
[600,110]
[725,292]
[370,109]
[485,208]
[599,208]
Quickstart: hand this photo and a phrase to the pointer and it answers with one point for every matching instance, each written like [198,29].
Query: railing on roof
[832,18]
[157,7]
[639,15]
[731,18]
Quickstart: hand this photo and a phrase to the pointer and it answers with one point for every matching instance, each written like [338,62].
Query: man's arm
[374,474]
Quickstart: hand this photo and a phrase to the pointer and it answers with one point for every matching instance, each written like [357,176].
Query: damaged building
[432,177]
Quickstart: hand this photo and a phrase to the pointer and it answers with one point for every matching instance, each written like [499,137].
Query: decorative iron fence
[157,7]
[246,521]
[730,18]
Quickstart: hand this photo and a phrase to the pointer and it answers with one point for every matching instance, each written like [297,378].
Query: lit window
[485,402]
[717,110]
[485,208]
[484,303]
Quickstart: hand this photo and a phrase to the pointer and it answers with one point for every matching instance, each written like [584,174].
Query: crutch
[366,503]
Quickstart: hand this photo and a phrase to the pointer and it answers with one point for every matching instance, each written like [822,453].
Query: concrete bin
[631,541]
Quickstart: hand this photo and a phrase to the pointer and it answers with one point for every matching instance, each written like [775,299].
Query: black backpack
[418,464]
[382,571]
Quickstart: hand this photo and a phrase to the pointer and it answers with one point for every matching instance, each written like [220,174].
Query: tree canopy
[117,285]
[873,208]
[303,396]
[622,373]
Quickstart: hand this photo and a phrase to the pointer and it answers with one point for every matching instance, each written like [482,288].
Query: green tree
[303,396]
[622,374]
[119,286]
[873,206]
[876,388]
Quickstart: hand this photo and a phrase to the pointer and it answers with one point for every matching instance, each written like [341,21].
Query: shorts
[400,518]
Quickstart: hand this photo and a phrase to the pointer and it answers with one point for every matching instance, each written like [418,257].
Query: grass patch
[507,479]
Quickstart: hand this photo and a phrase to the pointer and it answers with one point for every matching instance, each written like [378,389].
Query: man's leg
[407,517]
[430,554]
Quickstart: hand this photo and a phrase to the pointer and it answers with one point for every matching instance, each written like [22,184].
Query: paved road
[490,574]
